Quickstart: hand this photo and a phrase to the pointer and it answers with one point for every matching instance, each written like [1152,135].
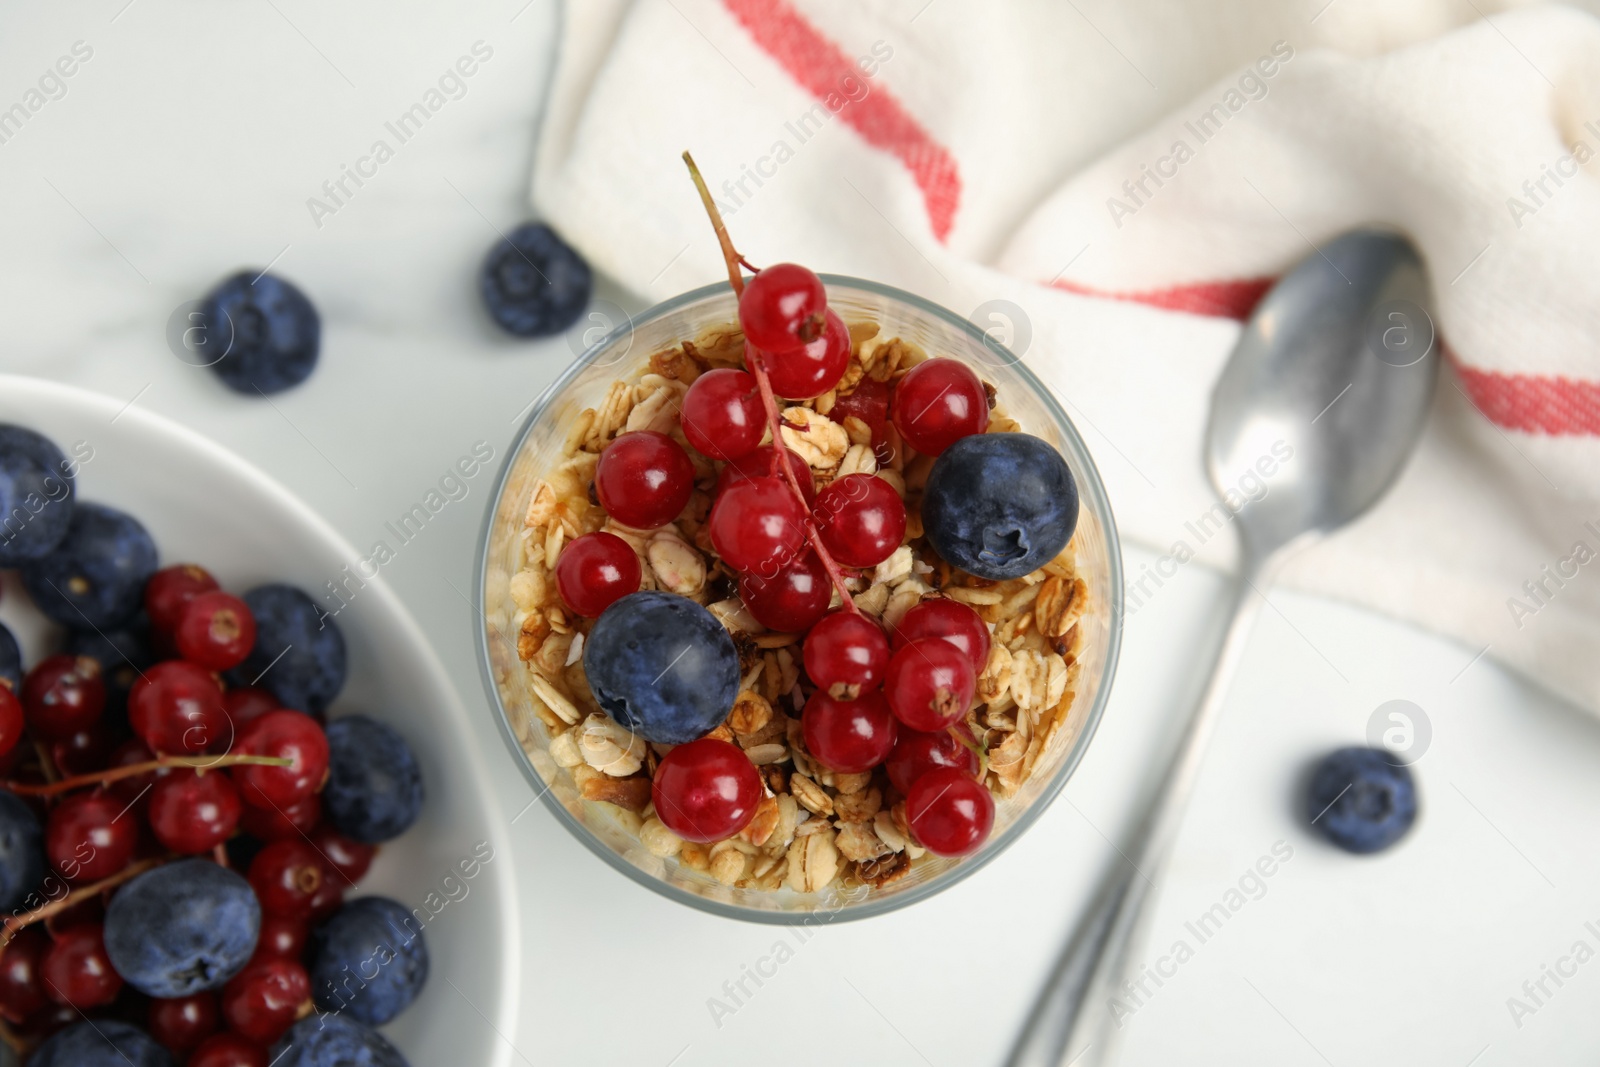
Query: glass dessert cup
[538,448]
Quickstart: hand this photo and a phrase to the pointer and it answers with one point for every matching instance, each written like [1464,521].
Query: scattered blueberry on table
[533,283]
[1362,799]
[259,333]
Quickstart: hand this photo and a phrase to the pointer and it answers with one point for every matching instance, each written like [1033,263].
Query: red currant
[261,1001]
[846,655]
[596,570]
[917,753]
[181,1023]
[87,838]
[169,591]
[929,684]
[721,414]
[328,899]
[286,876]
[849,736]
[937,403]
[706,790]
[192,813]
[228,1050]
[791,600]
[757,526]
[11,720]
[22,990]
[782,307]
[950,813]
[285,735]
[644,479]
[77,971]
[135,791]
[246,704]
[62,695]
[861,519]
[274,824]
[349,859]
[81,753]
[762,463]
[951,620]
[217,631]
[868,401]
[811,369]
[177,708]
[281,935]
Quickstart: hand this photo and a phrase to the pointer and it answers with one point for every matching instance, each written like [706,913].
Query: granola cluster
[815,828]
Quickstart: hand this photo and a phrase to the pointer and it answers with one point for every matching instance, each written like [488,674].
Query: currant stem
[769,399]
[962,733]
[132,770]
[44,911]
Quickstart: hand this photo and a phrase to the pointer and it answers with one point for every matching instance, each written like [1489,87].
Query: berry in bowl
[799,597]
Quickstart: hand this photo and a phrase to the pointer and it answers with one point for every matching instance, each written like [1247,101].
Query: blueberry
[101,1043]
[334,1041]
[662,666]
[36,495]
[1362,799]
[299,652]
[259,333]
[22,865]
[94,579]
[999,505]
[374,788]
[369,961]
[182,928]
[123,654]
[534,284]
[10,659]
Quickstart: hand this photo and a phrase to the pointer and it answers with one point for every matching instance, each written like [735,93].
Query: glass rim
[1091,491]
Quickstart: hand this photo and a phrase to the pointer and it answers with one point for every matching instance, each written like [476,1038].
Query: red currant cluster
[205,763]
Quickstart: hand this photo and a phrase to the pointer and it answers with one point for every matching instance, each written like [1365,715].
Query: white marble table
[188,144]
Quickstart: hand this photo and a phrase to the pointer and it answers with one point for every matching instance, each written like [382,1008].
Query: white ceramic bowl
[205,505]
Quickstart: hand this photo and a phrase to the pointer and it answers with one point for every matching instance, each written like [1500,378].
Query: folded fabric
[1113,187]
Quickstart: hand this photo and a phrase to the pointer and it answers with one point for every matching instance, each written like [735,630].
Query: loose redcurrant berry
[846,654]
[782,307]
[811,369]
[177,709]
[791,600]
[246,704]
[937,403]
[596,570]
[949,812]
[281,935]
[62,695]
[77,971]
[181,1023]
[721,414]
[644,479]
[757,526]
[228,1049]
[349,859]
[861,519]
[261,1001]
[169,591]
[706,790]
[762,463]
[849,736]
[192,813]
[217,631]
[951,620]
[11,720]
[917,753]
[286,876]
[275,824]
[286,735]
[929,684]
[87,838]
[22,990]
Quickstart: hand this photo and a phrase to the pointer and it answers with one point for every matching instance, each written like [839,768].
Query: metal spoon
[1336,364]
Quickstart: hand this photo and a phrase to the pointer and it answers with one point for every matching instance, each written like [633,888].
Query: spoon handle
[1075,1013]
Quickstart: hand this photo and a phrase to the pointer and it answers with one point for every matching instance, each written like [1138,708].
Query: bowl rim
[1091,490]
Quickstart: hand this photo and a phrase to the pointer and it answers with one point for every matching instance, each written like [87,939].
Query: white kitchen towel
[1112,184]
